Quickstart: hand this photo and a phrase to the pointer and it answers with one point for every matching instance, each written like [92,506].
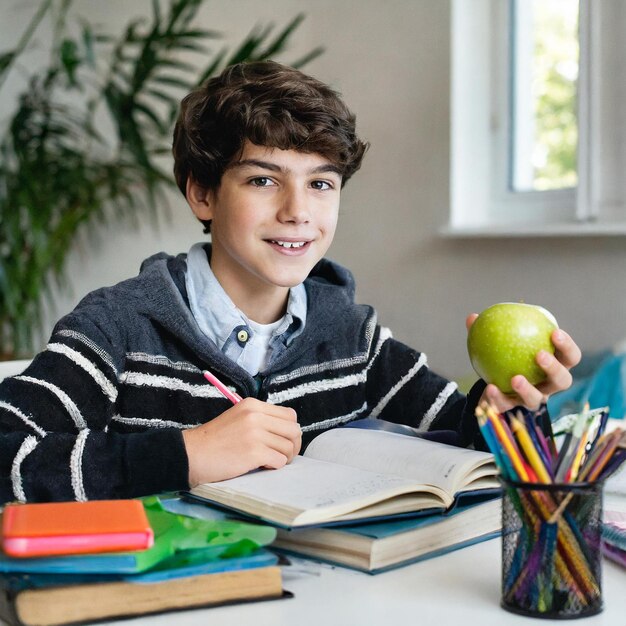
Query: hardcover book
[381,546]
[614,536]
[350,474]
[614,528]
[52,600]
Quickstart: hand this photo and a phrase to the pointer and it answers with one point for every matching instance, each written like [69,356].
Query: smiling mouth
[288,244]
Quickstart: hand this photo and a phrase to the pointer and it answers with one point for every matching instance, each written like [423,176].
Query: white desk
[459,588]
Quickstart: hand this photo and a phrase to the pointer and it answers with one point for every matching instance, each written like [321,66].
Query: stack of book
[614,536]
[69,563]
[368,499]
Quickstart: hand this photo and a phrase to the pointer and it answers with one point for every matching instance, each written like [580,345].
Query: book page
[306,485]
[426,462]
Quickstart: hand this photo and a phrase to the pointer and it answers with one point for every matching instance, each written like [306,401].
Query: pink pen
[224,390]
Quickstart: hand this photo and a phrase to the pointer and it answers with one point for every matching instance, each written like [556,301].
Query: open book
[353,474]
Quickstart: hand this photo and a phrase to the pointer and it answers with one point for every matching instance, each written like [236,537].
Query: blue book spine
[614,535]
[21,580]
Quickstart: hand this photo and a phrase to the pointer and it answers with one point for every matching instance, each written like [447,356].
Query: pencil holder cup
[551,557]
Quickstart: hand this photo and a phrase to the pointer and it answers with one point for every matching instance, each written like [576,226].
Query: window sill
[558,229]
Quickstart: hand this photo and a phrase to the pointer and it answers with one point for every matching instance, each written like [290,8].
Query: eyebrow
[273,167]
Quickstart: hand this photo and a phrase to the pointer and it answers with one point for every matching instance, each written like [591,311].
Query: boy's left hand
[557,366]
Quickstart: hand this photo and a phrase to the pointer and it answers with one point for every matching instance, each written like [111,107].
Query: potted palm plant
[59,173]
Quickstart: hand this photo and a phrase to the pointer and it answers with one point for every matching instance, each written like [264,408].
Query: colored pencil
[506,440]
[221,387]
[551,550]
[527,446]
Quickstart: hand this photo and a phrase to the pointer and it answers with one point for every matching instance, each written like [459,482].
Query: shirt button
[242,336]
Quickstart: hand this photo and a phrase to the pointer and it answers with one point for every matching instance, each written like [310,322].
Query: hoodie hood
[325,272]
[329,273]
[330,295]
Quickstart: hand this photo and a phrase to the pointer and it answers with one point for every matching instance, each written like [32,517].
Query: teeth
[289,244]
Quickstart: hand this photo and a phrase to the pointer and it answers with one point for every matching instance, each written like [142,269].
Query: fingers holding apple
[470,319]
[525,394]
[519,349]
[567,352]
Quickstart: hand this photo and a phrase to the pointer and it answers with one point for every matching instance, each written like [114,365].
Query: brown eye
[261,181]
[320,185]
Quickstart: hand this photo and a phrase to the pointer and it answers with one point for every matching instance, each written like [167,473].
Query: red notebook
[56,528]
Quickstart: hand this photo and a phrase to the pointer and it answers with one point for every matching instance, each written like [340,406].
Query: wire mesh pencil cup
[551,549]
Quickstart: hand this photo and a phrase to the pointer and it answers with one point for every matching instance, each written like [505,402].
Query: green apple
[504,340]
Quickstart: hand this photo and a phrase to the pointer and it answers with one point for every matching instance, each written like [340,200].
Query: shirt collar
[216,313]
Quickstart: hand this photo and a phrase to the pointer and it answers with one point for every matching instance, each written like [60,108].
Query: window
[544,59]
[538,127]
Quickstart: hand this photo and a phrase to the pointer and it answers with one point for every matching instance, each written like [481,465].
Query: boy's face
[273,218]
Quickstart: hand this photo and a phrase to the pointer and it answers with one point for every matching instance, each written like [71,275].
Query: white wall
[391,62]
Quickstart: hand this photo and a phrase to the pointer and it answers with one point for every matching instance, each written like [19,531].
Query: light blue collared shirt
[250,345]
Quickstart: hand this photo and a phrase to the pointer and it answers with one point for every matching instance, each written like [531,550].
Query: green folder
[178,541]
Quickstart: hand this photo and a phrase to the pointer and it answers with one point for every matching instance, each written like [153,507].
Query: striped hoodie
[100,412]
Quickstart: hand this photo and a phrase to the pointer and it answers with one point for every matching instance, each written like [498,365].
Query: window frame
[482,204]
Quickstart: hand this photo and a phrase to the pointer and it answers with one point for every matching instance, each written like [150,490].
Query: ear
[199,199]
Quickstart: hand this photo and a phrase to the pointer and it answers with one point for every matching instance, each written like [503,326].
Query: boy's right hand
[250,435]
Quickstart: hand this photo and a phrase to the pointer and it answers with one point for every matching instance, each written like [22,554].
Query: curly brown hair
[270,105]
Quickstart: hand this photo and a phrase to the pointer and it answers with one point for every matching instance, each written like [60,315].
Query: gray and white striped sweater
[99,413]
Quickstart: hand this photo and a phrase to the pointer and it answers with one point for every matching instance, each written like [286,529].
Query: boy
[116,405]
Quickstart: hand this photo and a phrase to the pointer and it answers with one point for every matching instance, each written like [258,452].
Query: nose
[294,207]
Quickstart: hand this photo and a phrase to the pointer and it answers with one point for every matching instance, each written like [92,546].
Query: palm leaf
[6,59]
[279,43]
[308,57]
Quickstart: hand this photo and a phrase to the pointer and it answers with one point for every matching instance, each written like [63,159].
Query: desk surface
[462,587]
